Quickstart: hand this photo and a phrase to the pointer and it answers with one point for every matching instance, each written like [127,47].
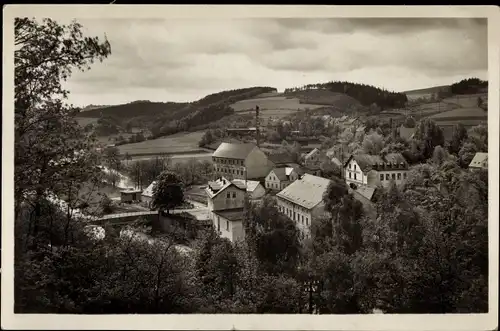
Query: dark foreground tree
[167,193]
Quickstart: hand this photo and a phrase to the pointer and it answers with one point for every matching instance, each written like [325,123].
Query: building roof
[480,160]
[283,173]
[251,185]
[306,192]
[391,161]
[406,133]
[280,158]
[311,153]
[215,187]
[235,214]
[234,151]
[336,162]
[366,192]
[148,192]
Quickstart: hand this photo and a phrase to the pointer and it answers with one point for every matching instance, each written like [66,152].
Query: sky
[186,59]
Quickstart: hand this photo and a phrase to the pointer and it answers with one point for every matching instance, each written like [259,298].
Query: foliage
[373,143]
[469,86]
[427,136]
[365,94]
[168,191]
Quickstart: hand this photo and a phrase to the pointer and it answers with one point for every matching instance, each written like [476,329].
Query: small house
[480,161]
[281,177]
[254,188]
[130,195]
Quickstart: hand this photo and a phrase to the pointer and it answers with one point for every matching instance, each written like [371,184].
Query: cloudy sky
[185,59]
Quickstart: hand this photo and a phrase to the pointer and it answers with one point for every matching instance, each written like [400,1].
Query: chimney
[257,126]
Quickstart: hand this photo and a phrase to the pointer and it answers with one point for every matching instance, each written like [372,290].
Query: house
[480,161]
[147,194]
[280,158]
[241,161]
[374,170]
[406,133]
[255,189]
[312,158]
[281,177]
[225,201]
[302,200]
[130,195]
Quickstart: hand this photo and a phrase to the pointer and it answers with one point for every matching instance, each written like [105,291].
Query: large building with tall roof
[302,201]
[242,161]
[375,170]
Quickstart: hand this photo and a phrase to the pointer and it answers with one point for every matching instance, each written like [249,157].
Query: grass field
[466,101]
[272,103]
[462,113]
[178,143]
[84,121]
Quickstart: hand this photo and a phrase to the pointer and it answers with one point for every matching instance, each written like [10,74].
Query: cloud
[185,59]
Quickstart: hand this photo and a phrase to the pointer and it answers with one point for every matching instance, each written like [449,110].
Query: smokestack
[257,126]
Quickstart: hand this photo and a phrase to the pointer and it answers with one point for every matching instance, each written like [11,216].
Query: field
[425,92]
[178,143]
[462,113]
[84,121]
[272,103]
[466,101]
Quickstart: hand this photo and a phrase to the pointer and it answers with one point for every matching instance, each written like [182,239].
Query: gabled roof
[251,184]
[234,151]
[311,153]
[280,158]
[306,192]
[280,173]
[405,132]
[217,186]
[368,162]
[148,192]
[480,160]
[336,162]
[236,214]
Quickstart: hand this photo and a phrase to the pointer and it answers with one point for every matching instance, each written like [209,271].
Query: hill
[164,118]
[426,93]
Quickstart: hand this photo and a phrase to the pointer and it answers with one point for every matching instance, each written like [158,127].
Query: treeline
[198,115]
[469,86]
[367,95]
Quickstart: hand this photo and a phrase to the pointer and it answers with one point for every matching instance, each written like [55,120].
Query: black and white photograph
[250,165]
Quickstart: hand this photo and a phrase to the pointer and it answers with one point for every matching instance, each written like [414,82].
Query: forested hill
[469,86]
[163,118]
[367,95]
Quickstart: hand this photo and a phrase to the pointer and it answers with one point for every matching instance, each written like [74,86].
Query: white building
[147,194]
[225,207]
[480,161]
[242,161]
[281,177]
[375,170]
[302,201]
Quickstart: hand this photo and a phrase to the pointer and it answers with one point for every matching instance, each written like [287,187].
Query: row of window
[355,177]
[228,161]
[230,171]
[273,185]
[294,216]
[393,176]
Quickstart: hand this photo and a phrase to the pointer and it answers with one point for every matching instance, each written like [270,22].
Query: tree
[439,155]
[467,153]
[373,143]
[409,122]
[428,135]
[458,138]
[52,152]
[167,193]
[112,158]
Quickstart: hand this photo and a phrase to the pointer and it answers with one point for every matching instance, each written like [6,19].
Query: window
[227,225]
[386,176]
[354,176]
[234,195]
[354,167]
[294,216]
[349,175]
[302,219]
[307,221]
[382,177]
[393,176]
[399,176]
[228,195]
[404,175]
[349,166]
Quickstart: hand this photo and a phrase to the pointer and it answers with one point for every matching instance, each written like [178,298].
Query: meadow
[181,142]
[272,103]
